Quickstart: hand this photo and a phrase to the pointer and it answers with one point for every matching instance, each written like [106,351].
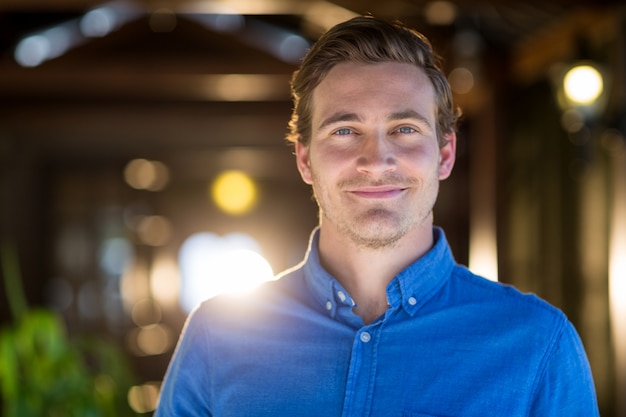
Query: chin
[377,243]
[377,236]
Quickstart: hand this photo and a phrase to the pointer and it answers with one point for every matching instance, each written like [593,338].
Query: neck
[364,272]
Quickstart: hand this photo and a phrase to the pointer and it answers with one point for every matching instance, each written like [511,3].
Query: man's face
[373,160]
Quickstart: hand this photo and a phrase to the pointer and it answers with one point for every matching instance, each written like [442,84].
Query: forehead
[371,88]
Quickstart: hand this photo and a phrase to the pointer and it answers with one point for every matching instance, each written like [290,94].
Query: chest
[416,367]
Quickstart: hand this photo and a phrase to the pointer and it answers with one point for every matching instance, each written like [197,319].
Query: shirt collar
[325,288]
[417,283]
[410,289]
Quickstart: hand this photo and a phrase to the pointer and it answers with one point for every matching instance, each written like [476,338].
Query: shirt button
[412,301]
[341,295]
[329,305]
[365,337]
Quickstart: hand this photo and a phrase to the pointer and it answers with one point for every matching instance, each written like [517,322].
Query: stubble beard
[378,227]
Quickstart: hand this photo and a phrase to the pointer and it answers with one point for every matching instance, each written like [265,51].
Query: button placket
[362,372]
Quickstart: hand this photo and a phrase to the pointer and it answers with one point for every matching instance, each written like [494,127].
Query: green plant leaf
[8,365]
[12,280]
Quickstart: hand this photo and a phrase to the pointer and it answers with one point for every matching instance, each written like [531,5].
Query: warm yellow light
[234,192]
[461,80]
[440,12]
[143,398]
[617,269]
[143,174]
[154,230]
[154,339]
[146,312]
[244,87]
[134,285]
[583,85]
[323,15]
[165,280]
[483,254]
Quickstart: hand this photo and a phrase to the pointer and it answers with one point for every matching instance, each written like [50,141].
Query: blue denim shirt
[450,344]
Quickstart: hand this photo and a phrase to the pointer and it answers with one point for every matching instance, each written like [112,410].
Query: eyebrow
[409,114]
[351,117]
[339,117]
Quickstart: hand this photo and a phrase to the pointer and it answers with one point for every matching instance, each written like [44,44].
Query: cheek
[420,159]
[327,159]
[332,168]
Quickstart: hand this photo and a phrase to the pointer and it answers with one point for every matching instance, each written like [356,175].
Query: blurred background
[143,168]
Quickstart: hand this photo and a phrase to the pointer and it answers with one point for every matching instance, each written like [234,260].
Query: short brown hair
[366,39]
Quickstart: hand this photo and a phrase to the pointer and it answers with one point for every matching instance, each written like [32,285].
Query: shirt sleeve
[185,389]
[565,386]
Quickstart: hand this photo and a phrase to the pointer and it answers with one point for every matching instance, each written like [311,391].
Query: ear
[447,156]
[303,162]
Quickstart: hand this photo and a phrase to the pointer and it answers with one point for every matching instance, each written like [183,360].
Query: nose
[376,156]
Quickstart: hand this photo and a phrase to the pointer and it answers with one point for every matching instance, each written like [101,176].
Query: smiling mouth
[378,192]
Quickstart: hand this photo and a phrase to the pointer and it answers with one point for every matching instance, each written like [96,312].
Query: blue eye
[343,131]
[406,129]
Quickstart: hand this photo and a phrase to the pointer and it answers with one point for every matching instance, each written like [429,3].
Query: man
[378,320]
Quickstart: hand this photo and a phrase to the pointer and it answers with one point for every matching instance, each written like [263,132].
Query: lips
[379,192]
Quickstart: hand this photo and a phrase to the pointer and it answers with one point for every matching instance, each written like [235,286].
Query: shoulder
[268,299]
[522,321]
[533,329]
[504,302]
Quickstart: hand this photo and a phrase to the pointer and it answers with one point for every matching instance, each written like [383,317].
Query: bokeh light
[154,339]
[151,340]
[143,398]
[165,280]
[583,84]
[617,260]
[440,12]
[98,22]
[245,87]
[134,284]
[146,312]
[32,51]
[116,254]
[572,120]
[234,192]
[212,265]
[143,174]
[461,80]
[154,230]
